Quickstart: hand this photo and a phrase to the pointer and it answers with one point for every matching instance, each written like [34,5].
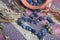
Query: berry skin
[29,20]
[49,20]
[44,18]
[23,18]
[31,16]
[36,32]
[40,18]
[42,33]
[19,21]
[28,28]
[32,30]
[37,20]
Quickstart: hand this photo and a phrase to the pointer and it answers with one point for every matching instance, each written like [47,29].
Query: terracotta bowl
[41,6]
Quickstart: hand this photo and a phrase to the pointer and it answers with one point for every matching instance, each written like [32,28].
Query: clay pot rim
[41,6]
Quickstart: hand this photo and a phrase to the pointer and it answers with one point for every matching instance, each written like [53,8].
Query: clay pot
[41,6]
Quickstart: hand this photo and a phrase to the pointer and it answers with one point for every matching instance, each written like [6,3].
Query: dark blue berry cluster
[34,13]
[37,20]
[30,20]
[35,2]
[41,33]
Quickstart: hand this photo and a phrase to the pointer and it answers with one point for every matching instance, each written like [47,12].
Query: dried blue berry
[44,31]
[33,22]
[50,20]
[28,20]
[39,34]
[44,18]
[19,22]
[40,18]
[35,14]
[37,21]
[23,18]
[30,29]
[31,16]
[36,32]
[23,26]
[27,27]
